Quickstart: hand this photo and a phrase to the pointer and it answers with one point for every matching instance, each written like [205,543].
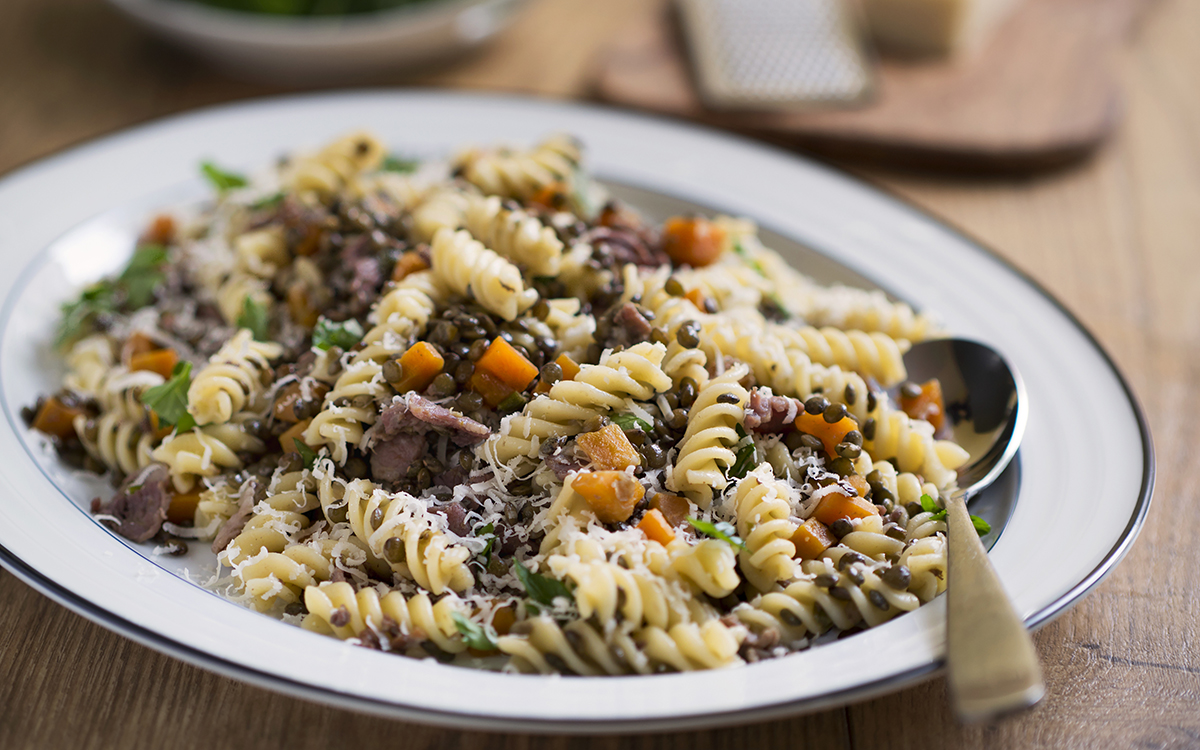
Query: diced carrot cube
[673,507]
[160,232]
[812,538]
[507,365]
[418,366]
[835,506]
[694,241]
[696,297]
[489,386]
[928,405]
[609,449]
[829,434]
[137,343]
[655,527]
[569,370]
[161,361]
[611,494]
[408,263]
[293,433]
[859,483]
[54,418]
[183,507]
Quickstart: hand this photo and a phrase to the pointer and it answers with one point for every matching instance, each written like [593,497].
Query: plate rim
[278,683]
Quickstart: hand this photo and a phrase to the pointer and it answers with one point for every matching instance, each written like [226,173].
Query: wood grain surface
[1041,93]
[1116,239]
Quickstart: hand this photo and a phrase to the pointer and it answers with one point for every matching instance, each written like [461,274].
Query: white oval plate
[1086,467]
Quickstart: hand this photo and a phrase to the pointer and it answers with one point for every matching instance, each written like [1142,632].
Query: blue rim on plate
[531,118]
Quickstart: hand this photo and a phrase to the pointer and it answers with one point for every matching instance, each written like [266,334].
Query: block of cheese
[924,28]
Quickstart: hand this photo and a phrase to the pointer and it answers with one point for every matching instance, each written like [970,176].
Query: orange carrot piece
[611,494]
[655,527]
[835,506]
[293,433]
[54,418]
[859,483]
[408,263]
[137,343]
[490,387]
[812,538]
[504,619]
[609,449]
[553,196]
[161,361]
[160,232]
[418,366]
[694,241]
[569,370]
[183,507]
[928,405]
[507,365]
[673,507]
[696,297]
[829,434]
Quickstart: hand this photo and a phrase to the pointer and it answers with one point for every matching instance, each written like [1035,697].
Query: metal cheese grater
[771,54]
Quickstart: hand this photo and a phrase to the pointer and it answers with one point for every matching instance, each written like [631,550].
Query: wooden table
[1117,239]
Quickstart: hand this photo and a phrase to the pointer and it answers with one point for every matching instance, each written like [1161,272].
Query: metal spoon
[990,658]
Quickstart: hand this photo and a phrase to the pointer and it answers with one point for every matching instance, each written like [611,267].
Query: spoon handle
[992,663]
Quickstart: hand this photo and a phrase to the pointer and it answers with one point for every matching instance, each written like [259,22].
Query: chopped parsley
[929,505]
[401,164]
[169,400]
[752,262]
[512,402]
[307,455]
[487,532]
[344,335]
[629,422]
[481,637]
[254,316]
[222,180]
[269,201]
[133,289]
[743,461]
[540,588]
[719,530]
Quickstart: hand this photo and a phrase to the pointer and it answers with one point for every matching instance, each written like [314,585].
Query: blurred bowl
[323,49]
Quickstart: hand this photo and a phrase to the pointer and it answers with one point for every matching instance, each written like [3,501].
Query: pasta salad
[480,412]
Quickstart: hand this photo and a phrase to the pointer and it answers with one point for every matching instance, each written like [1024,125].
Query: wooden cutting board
[1041,94]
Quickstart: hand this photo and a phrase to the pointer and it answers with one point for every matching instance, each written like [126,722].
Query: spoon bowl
[990,658]
[985,401]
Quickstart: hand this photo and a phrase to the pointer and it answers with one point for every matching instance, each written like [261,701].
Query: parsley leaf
[929,505]
[482,637]
[221,180]
[326,333]
[131,290]
[254,316]
[743,461]
[143,275]
[269,201]
[629,422]
[403,165]
[308,455]
[720,530]
[169,400]
[512,402]
[540,588]
[753,263]
[79,317]
[487,532]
